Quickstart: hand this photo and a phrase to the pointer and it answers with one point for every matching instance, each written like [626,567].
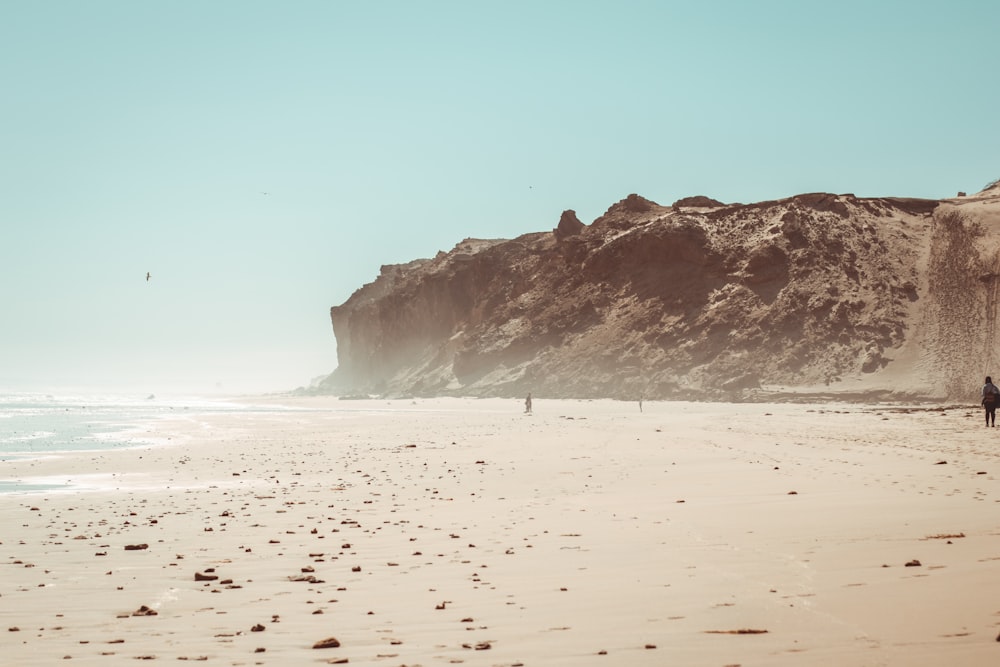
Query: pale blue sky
[142,136]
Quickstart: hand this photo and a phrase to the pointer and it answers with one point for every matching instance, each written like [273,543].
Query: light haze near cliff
[262,160]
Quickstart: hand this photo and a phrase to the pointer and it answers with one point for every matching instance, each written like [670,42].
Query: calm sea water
[33,425]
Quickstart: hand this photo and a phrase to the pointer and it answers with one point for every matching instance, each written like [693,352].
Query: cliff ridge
[816,294]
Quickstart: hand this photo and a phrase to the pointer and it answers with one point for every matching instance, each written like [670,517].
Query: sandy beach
[462,531]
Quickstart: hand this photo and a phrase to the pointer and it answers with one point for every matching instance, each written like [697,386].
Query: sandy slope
[455,531]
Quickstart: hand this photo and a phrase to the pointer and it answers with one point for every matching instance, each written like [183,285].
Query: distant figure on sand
[991,396]
[147,276]
[527,404]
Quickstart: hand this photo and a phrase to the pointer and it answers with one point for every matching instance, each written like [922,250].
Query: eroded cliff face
[817,293]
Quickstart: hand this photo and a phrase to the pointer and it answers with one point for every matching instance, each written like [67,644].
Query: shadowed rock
[569,225]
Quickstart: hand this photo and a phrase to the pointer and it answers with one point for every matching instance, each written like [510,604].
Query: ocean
[46,425]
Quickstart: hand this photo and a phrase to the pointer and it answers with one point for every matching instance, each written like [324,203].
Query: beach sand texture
[461,531]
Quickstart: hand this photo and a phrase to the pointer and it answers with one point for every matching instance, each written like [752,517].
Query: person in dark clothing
[991,396]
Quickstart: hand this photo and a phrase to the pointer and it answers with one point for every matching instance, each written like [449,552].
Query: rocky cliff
[814,294]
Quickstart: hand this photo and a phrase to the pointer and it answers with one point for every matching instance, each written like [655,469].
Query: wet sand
[452,531]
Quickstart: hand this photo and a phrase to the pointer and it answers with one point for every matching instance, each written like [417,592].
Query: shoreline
[447,531]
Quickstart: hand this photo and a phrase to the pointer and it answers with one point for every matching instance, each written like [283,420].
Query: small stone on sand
[329,642]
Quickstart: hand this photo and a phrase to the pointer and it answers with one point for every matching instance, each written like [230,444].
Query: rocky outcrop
[698,201]
[813,294]
[569,225]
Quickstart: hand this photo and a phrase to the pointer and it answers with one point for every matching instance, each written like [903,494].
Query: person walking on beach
[991,396]
[527,404]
